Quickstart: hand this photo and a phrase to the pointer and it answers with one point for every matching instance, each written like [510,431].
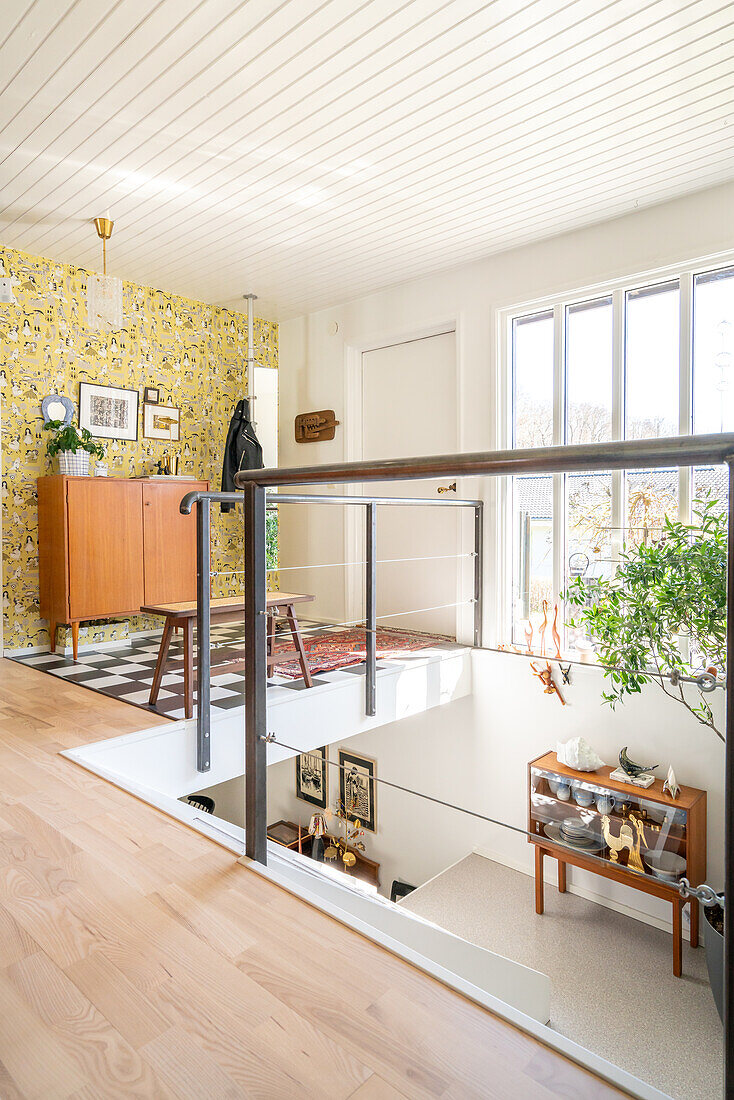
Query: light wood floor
[138,959]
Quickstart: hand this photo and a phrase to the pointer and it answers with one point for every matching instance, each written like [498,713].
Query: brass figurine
[617,844]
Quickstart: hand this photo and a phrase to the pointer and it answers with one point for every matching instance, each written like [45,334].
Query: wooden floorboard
[137,958]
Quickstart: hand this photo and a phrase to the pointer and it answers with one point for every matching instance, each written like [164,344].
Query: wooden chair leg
[298,643]
[538,879]
[188,648]
[272,616]
[160,665]
[75,640]
[677,939]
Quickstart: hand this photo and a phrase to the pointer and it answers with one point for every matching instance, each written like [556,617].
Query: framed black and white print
[311,777]
[108,411]
[357,788]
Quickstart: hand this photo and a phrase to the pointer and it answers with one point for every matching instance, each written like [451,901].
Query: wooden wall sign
[315,427]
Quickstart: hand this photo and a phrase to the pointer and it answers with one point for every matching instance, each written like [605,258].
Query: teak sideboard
[107,546]
[640,820]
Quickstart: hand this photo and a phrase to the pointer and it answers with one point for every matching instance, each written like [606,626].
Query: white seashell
[579,755]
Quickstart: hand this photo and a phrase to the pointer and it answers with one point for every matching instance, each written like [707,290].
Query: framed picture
[162,422]
[151,395]
[357,787]
[311,777]
[108,411]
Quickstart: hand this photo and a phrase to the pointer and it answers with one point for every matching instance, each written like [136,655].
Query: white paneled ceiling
[316,150]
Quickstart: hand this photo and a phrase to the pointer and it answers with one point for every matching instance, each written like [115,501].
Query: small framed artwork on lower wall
[357,788]
[312,780]
[161,422]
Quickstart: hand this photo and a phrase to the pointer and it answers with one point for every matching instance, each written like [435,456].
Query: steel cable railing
[203,502]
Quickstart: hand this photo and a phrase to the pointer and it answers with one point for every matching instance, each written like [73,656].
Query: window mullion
[685,391]
[618,393]
[559,437]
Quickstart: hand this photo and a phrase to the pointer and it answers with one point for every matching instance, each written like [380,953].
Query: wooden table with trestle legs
[225,610]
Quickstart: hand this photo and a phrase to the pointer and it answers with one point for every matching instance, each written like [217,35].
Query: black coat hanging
[242,451]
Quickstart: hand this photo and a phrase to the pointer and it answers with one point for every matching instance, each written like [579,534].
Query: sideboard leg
[561,877]
[677,940]
[538,879]
[694,911]
[52,636]
[75,639]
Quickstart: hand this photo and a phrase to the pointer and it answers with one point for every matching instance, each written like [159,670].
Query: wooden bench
[224,610]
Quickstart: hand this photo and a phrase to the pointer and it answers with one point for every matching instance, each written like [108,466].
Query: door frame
[354,445]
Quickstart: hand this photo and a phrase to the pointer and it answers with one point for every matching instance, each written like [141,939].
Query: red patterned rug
[327,652]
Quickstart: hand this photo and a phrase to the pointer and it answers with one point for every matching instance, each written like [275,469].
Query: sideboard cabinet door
[170,542]
[105,518]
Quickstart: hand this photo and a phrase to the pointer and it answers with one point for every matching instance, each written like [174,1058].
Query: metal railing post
[256,792]
[729,808]
[370,611]
[478,573]
[203,640]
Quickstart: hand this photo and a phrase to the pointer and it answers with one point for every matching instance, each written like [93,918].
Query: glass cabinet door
[642,835]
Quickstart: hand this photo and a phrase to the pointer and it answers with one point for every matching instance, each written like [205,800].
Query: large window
[638,362]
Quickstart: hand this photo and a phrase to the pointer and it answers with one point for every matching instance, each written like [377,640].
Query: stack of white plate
[575,831]
[574,834]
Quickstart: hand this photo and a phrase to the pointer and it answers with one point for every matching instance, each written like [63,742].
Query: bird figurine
[632,769]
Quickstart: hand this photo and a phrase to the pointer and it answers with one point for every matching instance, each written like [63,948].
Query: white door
[265,412]
[409,408]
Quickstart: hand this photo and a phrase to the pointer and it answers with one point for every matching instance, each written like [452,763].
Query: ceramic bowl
[665,865]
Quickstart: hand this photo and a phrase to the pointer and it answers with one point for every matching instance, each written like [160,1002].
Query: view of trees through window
[630,389]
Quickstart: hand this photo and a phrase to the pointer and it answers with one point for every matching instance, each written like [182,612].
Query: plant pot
[714,941]
[74,463]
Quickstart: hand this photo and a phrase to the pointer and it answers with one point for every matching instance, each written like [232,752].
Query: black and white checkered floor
[126,672]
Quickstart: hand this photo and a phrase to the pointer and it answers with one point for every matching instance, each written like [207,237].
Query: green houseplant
[661,617]
[72,447]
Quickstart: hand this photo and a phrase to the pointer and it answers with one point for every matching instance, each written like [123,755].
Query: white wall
[509,721]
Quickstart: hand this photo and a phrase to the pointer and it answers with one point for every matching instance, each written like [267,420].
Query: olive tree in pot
[72,447]
[660,618]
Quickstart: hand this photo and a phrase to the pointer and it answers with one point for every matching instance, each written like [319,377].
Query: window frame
[617,290]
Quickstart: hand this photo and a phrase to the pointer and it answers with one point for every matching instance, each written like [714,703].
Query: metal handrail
[633,454]
[196,495]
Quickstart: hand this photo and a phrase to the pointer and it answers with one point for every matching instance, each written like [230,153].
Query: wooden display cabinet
[640,821]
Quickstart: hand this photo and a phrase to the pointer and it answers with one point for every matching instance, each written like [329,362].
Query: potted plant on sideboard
[72,448]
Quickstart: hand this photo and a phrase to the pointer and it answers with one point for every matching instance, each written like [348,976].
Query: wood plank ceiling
[316,150]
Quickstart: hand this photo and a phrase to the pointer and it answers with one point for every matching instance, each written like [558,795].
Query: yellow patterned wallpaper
[196,355]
